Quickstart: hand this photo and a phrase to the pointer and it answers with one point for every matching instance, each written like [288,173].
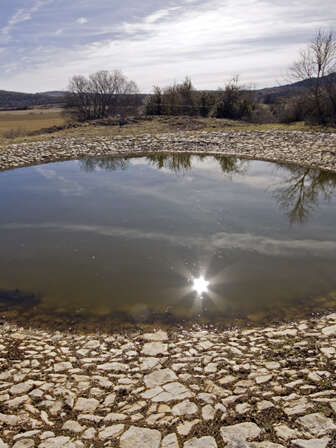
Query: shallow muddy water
[166,238]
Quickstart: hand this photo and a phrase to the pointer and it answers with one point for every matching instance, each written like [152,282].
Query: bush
[234,103]
[178,99]
[263,113]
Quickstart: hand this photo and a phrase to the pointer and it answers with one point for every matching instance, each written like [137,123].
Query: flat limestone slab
[136,437]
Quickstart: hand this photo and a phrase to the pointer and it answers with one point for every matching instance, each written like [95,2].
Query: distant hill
[54,93]
[19,100]
[271,94]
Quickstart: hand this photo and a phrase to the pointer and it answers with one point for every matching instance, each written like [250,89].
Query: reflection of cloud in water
[67,187]
[257,181]
[162,195]
[270,246]
[235,241]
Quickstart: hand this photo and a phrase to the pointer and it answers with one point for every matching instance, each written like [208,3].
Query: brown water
[127,240]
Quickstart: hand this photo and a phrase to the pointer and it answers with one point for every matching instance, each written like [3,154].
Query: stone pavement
[259,388]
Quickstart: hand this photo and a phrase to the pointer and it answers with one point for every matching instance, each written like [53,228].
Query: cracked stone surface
[268,387]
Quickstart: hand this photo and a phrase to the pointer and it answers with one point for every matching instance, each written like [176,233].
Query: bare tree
[314,63]
[104,93]
[79,97]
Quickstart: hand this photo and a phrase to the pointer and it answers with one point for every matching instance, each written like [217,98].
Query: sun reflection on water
[200,285]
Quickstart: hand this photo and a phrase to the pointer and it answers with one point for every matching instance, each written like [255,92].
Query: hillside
[270,94]
[19,100]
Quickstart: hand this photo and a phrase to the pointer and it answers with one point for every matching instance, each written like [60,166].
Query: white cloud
[23,14]
[82,20]
[158,15]
[210,41]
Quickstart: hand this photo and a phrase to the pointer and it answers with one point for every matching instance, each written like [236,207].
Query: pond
[166,239]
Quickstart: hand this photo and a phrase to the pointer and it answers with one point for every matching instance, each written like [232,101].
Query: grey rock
[154,348]
[115,417]
[25,435]
[17,402]
[89,434]
[136,437]
[159,377]
[24,443]
[262,379]
[157,336]
[113,367]
[263,405]
[148,363]
[203,442]
[111,432]
[241,431]
[208,412]
[62,366]
[329,331]
[170,441]
[73,426]
[227,379]
[184,428]
[151,393]
[285,433]
[55,442]
[22,388]
[10,420]
[312,443]
[47,435]
[186,407]
[317,424]
[86,405]
[109,399]
[173,391]
[265,444]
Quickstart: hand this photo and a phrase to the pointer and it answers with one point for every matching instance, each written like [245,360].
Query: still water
[166,238]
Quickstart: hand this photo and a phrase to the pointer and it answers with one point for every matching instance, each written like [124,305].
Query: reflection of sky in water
[113,233]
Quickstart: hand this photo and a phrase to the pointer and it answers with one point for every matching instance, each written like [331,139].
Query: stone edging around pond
[259,388]
[307,149]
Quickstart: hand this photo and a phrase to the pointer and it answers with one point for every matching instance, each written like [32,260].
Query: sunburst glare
[200,285]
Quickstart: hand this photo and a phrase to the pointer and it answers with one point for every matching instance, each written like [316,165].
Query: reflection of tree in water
[302,190]
[105,163]
[232,165]
[182,162]
[176,162]
[299,194]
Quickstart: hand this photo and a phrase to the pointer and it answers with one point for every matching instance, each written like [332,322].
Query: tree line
[105,94]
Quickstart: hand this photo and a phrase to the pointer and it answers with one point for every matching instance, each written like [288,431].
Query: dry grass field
[20,123]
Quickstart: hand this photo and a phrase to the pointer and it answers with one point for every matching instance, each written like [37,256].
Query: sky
[43,43]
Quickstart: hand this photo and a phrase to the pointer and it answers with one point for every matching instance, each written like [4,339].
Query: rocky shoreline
[268,387]
[307,149]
